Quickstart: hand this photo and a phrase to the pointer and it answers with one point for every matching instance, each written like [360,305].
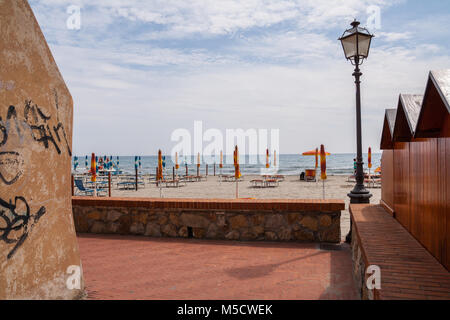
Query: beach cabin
[416,165]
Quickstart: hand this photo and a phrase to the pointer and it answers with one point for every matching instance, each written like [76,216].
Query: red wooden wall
[416,185]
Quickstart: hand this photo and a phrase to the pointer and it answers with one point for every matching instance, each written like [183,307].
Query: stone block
[152,230]
[239,221]
[270,236]
[232,235]
[137,228]
[309,222]
[275,221]
[98,227]
[194,220]
[169,230]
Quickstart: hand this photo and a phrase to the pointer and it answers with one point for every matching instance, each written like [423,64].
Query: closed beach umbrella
[75,163]
[118,162]
[140,163]
[221,160]
[135,162]
[237,172]
[198,160]
[160,166]
[369,156]
[93,168]
[267,158]
[177,166]
[323,163]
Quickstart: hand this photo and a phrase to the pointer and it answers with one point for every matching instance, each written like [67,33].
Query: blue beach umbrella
[140,164]
[86,161]
[75,163]
[135,162]
[117,162]
[164,161]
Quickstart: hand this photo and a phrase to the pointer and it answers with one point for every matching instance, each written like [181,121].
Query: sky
[139,70]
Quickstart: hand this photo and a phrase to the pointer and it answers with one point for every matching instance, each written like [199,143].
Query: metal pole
[136,172]
[73,187]
[359,194]
[109,184]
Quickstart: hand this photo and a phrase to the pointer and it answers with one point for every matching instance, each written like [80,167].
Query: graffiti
[16,222]
[39,122]
[11,164]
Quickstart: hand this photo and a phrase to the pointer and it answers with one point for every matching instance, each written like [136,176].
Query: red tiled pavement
[129,267]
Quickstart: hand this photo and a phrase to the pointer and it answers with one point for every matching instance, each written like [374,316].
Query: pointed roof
[436,105]
[407,114]
[388,129]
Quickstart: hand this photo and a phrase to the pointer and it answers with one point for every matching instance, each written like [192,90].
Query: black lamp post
[356,45]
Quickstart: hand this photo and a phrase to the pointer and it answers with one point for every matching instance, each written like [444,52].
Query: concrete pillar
[39,256]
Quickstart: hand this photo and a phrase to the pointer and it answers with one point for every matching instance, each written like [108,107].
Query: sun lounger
[257,183]
[88,191]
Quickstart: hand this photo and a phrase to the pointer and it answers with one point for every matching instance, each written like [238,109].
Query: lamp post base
[359,197]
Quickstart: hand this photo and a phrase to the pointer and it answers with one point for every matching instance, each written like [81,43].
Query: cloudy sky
[138,70]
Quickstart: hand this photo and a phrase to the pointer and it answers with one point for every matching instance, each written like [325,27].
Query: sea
[287,164]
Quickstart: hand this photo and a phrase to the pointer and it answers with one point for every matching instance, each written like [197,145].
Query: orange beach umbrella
[93,168]
[323,163]
[198,160]
[377,170]
[313,153]
[221,160]
[177,166]
[237,172]
[267,158]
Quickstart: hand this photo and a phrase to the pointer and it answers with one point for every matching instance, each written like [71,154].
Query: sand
[336,187]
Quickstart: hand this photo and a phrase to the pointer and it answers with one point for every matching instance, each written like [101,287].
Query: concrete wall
[270,220]
[37,235]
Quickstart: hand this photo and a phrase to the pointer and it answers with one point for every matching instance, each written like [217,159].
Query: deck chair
[84,191]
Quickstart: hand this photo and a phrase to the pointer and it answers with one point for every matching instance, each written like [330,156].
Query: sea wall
[225,219]
[39,256]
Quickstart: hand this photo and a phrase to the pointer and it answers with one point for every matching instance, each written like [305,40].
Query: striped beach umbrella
[267,159]
[323,163]
[369,156]
[93,168]
[221,160]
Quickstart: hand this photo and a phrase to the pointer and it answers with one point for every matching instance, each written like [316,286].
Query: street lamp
[356,45]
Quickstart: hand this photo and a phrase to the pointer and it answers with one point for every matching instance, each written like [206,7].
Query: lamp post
[356,44]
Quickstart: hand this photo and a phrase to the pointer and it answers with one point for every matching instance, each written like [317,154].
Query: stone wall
[38,245]
[270,220]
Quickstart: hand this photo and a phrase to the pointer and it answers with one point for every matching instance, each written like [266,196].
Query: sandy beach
[336,187]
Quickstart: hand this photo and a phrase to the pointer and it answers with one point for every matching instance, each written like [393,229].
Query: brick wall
[240,219]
